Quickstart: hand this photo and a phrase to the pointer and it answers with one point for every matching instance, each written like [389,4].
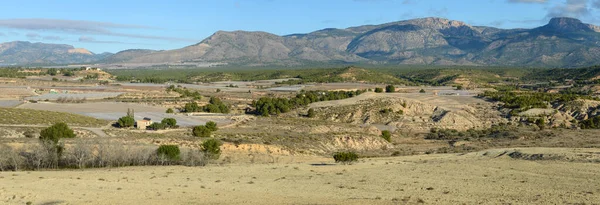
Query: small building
[142,124]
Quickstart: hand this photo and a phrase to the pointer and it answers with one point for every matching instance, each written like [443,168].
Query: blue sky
[111,26]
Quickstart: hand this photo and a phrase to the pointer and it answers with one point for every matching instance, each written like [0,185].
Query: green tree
[422,91]
[378,90]
[459,87]
[169,122]
[55,132]
[386,135]
[201,131]
[191,107]
[311,113]
[170,110]
[390,89]
[170,152]
[212,126]
[52,71]
[126,121]
[212,148]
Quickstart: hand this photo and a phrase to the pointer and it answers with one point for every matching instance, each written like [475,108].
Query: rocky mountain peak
[566,24]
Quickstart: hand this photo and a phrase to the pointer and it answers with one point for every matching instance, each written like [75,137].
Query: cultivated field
[114,110]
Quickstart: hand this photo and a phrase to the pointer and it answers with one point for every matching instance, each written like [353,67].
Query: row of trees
[184,92]
[215,106]
[164,124]
[266,106]
[50,153]
[70,100]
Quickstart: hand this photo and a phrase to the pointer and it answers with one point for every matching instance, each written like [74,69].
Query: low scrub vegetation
[212,148]
[86,153]
[266,106]
[386,135]
[496,131]
[345,157]
[521,101]
[592,123]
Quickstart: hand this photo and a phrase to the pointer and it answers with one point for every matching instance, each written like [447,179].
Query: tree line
[266,106]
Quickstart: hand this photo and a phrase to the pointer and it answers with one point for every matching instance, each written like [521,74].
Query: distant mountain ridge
[563,42]
[26,53]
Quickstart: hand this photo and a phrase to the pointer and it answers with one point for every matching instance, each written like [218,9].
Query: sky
[115,25]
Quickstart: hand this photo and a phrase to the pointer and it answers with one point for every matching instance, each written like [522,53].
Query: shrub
[212,148]
[56,132]
[126,121]
[157,126]
[422,91]
[212,126]
[386,135]
[201,131]
[169,152]
[169,122]
[378,90]
[390,89]
[541,123]
[170,110]
[345,157]
[311,113]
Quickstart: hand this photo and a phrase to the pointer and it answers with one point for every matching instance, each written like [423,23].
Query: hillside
[563,42]
[26,53]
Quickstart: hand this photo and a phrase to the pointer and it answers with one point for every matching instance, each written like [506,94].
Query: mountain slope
[562,42]
[26,53]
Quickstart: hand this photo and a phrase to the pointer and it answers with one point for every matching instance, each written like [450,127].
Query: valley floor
[486,177]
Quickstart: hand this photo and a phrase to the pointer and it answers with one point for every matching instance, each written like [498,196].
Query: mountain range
[563,42]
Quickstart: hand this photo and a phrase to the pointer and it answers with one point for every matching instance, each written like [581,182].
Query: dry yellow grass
[475,178]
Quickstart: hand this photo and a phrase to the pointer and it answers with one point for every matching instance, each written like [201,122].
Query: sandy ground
[476,178]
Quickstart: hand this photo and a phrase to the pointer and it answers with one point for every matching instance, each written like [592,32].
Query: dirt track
[488,177]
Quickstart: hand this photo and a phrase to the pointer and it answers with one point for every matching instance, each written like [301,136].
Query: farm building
[142,124]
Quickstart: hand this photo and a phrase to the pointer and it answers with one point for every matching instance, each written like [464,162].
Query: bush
[55,132]
[158,126]
[386,135]
[311,113]
[422,91]
[126,121]
[201,131]
[378,90]
[170,110]
[169,152]
[212,126]
[390,89]
[345,157]
[212,148]
[169,122]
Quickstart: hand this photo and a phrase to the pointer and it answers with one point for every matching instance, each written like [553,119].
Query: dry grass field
[487,177]
[21,116]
